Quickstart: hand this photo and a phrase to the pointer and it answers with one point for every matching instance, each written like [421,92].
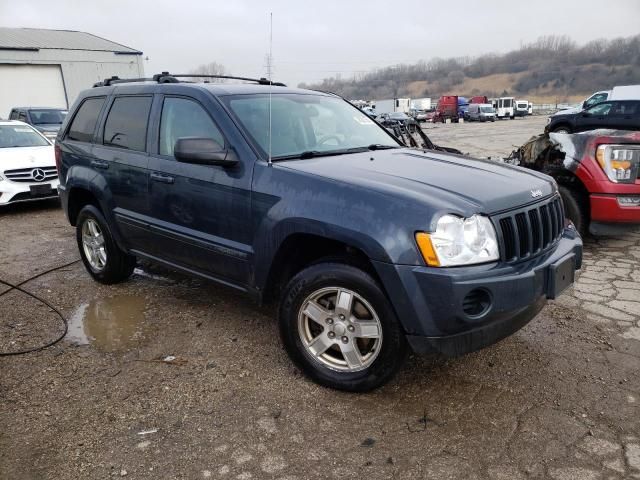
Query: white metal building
[48,68]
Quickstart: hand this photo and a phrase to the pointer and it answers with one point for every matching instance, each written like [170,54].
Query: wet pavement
[166,376]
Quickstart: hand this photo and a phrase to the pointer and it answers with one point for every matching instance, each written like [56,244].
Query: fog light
[629,201]
[476,303]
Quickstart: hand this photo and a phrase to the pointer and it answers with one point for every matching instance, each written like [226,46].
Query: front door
[201,213]
[594,117]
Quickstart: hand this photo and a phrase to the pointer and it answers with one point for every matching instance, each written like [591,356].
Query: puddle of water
[109,324]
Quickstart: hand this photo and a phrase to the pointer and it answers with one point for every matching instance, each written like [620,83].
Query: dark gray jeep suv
[298,197]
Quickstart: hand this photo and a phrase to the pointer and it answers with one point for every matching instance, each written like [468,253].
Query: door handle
[159,177]
[100,164]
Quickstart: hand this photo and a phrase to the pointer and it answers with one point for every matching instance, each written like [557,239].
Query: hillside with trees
[551,69]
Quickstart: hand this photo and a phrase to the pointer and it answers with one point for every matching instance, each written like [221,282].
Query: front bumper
[430,302]
[608,216]
[15,192]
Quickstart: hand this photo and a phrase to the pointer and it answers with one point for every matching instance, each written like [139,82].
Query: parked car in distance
[598,173]
[621,92]
[368,247]
[614,114]
[418,115]
[46,120]
[521,108]
[481,112]
[369,111]
[392,119]
[27,164]
[504,107]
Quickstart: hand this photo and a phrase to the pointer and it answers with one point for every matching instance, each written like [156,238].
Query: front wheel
[101,256]
[339,328]
[575,209]
[562,129]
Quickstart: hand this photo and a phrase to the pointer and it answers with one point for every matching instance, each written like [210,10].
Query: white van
[521,108]
[504,107]
[481,112]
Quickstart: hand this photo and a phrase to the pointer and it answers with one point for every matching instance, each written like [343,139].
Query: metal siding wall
[80,68]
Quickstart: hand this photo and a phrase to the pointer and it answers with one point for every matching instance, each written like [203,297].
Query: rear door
[625,115]
[201,213]
[120,157]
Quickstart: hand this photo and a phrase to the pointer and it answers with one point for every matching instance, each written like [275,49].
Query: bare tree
[212,68]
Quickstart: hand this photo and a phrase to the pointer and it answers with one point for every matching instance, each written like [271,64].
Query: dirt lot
[486,139]
[560,399]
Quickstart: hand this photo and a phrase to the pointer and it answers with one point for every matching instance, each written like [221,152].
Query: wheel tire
[390,352]
[562,129]
[118,265]
[575,209]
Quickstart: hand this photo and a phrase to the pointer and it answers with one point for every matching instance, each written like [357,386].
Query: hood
[26,157]
[48,127]
[567,111]
[445,181]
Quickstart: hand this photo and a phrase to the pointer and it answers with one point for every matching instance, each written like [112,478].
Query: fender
[85,178]
[270,238]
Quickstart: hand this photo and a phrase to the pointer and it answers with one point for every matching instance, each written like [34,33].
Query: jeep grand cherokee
[297,196]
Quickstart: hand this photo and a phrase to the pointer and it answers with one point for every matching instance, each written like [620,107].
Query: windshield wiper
[311,154]
[379,146]
[330,153]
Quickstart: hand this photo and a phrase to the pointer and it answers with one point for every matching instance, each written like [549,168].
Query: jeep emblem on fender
[536,193]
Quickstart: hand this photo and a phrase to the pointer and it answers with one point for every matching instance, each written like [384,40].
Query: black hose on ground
[54,309]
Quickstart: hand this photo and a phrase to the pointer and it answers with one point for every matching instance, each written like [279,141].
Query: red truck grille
[529,231]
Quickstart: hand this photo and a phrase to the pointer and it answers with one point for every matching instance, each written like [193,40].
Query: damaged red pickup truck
[598,173]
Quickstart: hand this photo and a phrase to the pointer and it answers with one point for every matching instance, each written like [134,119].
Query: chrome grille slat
[527,231]
[23,175]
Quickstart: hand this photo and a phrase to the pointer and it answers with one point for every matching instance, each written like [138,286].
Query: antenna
[269,68]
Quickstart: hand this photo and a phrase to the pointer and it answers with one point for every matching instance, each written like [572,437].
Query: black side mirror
[203,151]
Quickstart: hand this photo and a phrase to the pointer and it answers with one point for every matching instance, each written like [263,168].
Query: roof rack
[166,77]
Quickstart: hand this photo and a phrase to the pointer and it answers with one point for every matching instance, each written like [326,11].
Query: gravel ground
[165,376]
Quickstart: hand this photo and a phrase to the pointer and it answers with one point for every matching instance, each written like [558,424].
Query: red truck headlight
[619,162]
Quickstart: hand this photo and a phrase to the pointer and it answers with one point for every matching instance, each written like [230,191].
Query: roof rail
[261,81]
[166,77]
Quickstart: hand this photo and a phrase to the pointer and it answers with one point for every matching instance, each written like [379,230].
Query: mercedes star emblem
[38,174]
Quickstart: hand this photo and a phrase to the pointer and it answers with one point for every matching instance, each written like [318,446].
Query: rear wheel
[575,208]
[339,328]
[101,256]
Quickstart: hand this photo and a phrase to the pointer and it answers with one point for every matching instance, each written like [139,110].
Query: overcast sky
[317,39]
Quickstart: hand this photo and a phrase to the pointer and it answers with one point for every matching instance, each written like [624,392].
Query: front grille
[529,231]
[26,175]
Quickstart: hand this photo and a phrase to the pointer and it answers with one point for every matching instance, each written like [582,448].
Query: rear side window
[84,123]
[623,109]
[185,118]
[126,125]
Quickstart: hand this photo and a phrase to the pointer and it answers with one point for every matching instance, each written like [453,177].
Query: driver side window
[182,117]
[601,109]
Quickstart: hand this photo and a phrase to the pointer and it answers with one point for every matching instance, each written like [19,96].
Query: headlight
[619,162]
[459,241]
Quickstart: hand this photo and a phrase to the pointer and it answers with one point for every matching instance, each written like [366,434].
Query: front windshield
[47,117]
[487,110]
[306,123]
[20,136]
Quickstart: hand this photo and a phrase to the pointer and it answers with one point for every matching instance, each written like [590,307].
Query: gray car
[481,112]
